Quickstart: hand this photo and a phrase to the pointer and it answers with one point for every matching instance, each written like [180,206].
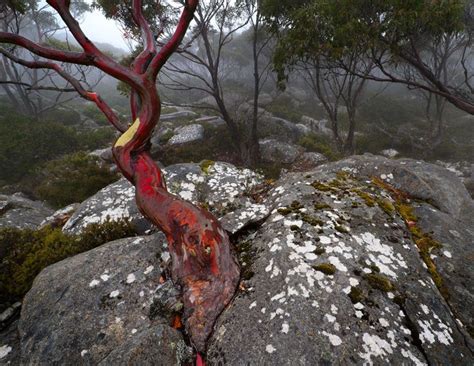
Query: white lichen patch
[148,270]
[429,335]
[333,339]
[411,357]
[5,350]
[381,255]
[373,347]
[94,283]
[447,254]
[131,278]
[285,327]
[384,323]
[270,349]
[114,294]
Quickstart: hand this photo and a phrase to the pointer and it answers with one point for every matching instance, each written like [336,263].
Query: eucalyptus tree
[202,262]
[392,34]
[32,91]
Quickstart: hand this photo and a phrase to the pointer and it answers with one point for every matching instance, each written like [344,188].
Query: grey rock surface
[61,216]
[314,158]
[104,154]
[319,127]
[10,345]
[332,274]
[186,134]
[95,309]
[221,187]
[338,279]
[390,153]
[18,211]
[214,121]
[273,150]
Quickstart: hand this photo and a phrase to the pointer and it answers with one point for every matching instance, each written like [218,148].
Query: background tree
[34,92]
[202,262]
[338,91]
[391,33]
[202,65]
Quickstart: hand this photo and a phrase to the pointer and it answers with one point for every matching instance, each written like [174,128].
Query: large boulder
[276,151]
[187,134]
[18,211]
[319,127]
[219,186]
[97,308]
[336,277]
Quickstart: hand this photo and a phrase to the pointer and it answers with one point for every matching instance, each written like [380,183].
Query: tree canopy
[310,26]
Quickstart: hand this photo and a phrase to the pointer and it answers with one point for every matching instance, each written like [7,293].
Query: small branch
[46,52]
[38,87]
[93,97]
[167,50]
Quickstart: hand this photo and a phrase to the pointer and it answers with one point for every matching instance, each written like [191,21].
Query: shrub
[96,139]
[25,143]
[66,117]
[320,144]
[72,178]
[92,112]
[25,252]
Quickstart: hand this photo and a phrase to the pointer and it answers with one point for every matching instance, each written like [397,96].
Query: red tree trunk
[203,264]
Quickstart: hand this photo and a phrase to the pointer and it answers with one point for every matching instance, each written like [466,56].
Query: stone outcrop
[221,187]
[20,212]
[362,261]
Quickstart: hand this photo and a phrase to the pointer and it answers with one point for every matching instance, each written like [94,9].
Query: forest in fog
[402,80]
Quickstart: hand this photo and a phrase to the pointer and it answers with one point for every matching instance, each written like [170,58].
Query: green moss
[312,220]
[205,165]
[247,255]
[293,208]
[375,268]
[341,229]
[356,295]
[399,300]
[72,178]
[321,206]
[425,245]
[379,282]
[342,175]
[319,250]
[367,197]
[26,252]
[406,212]
[386,205]
[166,137]
[423,241]
[322,187]
[326,268]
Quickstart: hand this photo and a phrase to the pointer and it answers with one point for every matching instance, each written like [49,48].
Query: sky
[100,29]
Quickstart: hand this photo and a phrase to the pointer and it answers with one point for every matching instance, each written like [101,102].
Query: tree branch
[167,50]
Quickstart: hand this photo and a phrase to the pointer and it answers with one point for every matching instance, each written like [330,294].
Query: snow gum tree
[202,261]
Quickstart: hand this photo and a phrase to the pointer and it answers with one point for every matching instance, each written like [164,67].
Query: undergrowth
[25,252]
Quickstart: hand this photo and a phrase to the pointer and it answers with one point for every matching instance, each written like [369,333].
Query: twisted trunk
[202,262]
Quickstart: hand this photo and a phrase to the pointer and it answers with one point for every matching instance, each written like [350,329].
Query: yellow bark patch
[128,135]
